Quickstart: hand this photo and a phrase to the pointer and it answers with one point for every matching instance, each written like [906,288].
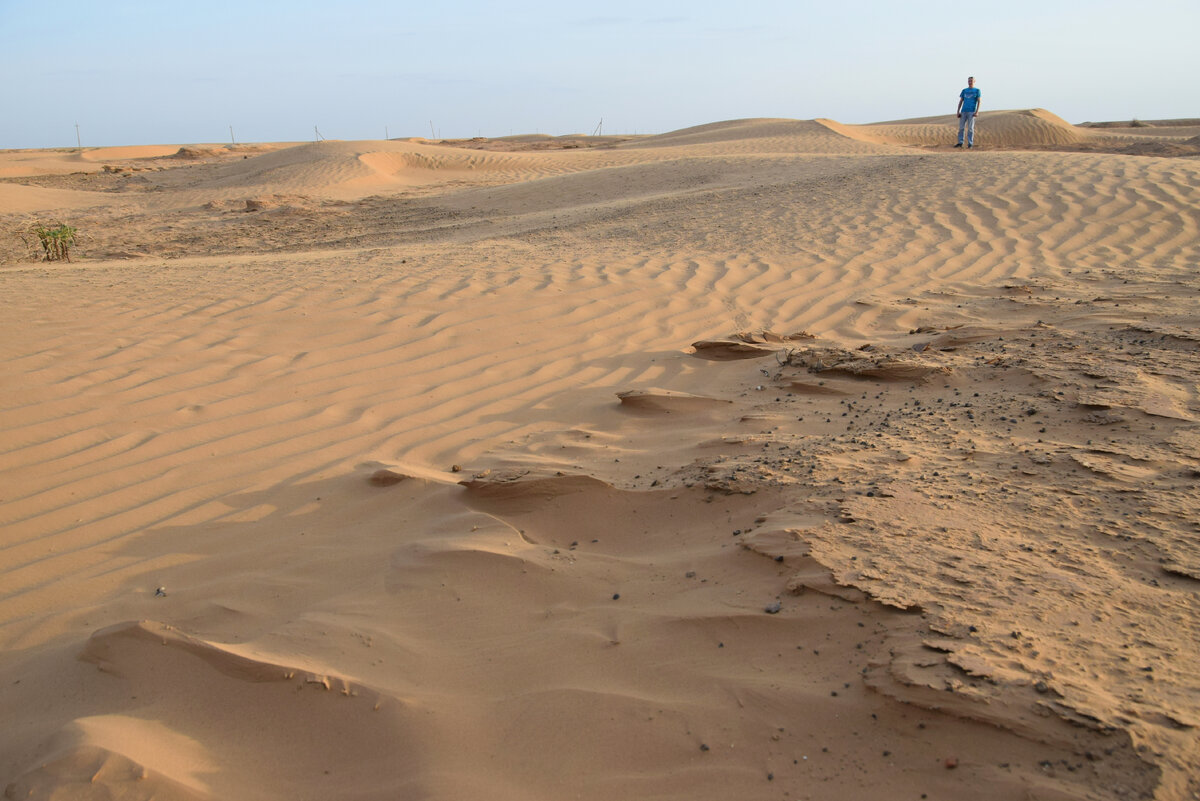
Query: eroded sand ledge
[378,470]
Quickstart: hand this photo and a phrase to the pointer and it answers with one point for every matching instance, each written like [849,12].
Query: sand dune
[766,136]
[21,163]
[326,167]
[102,154]
[1023,128]
[26,200]
[762,459]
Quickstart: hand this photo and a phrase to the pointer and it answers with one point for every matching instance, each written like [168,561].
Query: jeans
[967,120]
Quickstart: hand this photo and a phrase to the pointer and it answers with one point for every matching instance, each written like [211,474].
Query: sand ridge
[758,460]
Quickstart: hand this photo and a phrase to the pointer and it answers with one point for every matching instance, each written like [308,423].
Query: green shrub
[56,240]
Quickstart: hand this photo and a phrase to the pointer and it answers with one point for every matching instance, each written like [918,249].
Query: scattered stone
[773,608]
[951,763]
[160,592]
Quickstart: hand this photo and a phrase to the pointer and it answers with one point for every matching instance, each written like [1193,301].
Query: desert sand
[766,459]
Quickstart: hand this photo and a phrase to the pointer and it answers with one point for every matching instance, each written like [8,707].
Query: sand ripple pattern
[165,396]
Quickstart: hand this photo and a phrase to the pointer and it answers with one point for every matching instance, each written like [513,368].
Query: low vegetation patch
[56,240]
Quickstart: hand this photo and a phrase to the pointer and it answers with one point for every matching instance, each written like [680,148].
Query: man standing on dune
[968,107]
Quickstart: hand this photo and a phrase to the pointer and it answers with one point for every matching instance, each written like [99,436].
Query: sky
[131,72]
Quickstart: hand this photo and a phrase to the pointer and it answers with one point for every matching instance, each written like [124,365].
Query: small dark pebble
[703,746]
[778,558]
[616,595]
[774,608]
[770,777]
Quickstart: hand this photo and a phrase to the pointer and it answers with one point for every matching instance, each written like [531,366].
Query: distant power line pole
[385,133]
[432,135]
[78,141]
[232,141]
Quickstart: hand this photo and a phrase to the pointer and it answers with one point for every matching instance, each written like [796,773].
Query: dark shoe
[970,146]
[959,144]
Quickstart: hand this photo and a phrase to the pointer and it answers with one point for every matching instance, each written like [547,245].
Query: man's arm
[958,111]
[978,102]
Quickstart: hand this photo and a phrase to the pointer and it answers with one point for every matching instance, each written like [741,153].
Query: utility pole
[432,135]
[232,141]
[78,141]
[385,134]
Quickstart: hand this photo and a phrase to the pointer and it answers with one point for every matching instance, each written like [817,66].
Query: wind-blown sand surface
[767,459]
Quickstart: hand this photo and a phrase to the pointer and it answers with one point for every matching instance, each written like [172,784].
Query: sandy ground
[768,459]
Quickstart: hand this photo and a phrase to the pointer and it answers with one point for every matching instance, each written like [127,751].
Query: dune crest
[106,649]
[666,401]
[213,727]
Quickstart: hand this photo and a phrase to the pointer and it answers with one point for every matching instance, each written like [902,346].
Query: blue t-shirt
[970,98]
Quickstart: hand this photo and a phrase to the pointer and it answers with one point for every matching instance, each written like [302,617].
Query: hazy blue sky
[140,72]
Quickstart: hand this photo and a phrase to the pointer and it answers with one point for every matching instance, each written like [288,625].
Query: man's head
[971,81]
